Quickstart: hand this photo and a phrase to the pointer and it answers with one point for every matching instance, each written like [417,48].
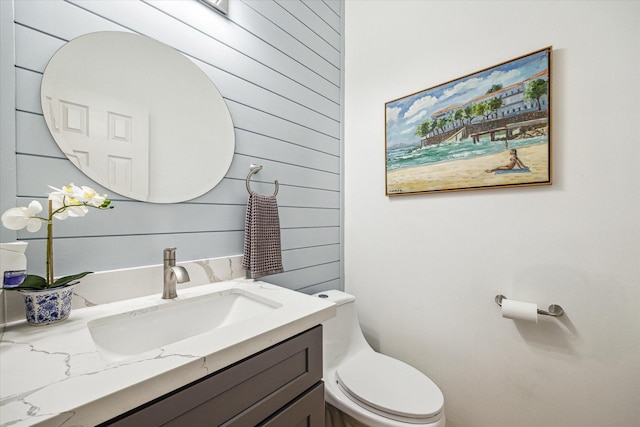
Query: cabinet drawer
[242,394]
[306,411]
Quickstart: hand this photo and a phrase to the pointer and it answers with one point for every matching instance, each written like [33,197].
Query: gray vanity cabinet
[277,387]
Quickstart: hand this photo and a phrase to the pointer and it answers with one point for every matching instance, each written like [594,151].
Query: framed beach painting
[489,129]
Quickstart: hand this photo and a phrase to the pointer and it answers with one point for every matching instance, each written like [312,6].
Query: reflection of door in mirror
[156,101]
[105,138]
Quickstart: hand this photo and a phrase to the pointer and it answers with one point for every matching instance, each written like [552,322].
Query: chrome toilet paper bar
[554,309]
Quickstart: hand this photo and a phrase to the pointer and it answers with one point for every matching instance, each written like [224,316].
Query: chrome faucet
[173,274]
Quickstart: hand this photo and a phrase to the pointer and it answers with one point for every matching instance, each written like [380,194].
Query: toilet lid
[390,386]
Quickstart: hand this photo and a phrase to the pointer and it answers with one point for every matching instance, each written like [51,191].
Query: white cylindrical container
[13,263]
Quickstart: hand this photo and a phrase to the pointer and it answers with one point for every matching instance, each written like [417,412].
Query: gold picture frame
[488,129]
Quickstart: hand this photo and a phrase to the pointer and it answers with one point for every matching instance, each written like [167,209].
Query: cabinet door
[306,411]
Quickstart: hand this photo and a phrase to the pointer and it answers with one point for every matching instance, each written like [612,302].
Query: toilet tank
[342,335]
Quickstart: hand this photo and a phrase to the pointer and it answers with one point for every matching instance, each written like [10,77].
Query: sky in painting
[404,115]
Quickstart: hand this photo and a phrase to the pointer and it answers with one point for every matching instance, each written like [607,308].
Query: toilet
[364,388]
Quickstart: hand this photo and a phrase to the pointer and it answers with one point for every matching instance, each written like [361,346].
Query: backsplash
[117,285]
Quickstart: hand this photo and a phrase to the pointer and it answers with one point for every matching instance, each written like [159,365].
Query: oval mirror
[137,117]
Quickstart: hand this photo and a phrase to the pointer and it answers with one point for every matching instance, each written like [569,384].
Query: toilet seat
[390,388]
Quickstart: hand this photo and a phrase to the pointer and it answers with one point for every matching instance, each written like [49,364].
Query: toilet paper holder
[554,309]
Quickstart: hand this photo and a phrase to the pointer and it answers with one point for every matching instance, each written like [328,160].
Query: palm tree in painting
[536,89]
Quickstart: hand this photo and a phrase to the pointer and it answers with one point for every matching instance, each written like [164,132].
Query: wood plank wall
[277,65]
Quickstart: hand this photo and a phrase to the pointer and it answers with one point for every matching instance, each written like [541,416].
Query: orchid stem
[50,245]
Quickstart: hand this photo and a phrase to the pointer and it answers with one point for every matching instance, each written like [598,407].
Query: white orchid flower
[61,200]
[78,195]
[92,197]
[68,201]
[21,217]
[65,194]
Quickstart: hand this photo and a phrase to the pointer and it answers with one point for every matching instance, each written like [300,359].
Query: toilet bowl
[364,388]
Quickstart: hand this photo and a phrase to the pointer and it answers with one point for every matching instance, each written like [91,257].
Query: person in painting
[513,162]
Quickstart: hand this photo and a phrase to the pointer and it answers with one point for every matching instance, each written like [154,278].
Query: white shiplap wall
[278,66]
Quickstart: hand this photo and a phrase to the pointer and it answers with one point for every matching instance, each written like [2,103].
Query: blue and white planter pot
[47,306]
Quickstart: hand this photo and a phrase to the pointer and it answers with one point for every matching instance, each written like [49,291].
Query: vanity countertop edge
[55,376]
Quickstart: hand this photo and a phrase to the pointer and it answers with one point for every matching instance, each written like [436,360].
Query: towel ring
[253,169]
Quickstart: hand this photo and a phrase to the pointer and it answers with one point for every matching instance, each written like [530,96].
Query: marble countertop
[55,375]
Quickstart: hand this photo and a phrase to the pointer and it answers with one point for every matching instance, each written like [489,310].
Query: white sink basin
[131,333]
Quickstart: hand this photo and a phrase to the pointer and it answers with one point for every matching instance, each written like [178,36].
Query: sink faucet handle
[169,254]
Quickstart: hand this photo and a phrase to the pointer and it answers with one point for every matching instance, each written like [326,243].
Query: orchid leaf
[67,279]
[33,282]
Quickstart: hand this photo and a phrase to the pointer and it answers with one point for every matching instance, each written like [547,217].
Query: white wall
[425,268]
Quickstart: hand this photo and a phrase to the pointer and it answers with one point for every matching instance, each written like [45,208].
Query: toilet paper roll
[519,310]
